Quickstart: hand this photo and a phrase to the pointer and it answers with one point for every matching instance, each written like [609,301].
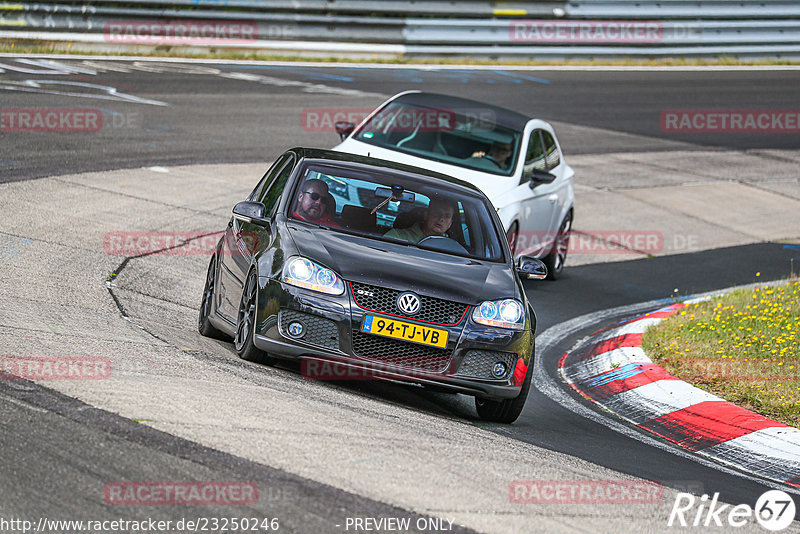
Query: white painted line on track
[768,452]
[655,399]
[601,363]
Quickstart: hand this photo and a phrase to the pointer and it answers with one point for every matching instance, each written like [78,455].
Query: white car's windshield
[467,138]
[396,208]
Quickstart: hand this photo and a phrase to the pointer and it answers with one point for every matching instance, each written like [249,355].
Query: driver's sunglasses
[314,195]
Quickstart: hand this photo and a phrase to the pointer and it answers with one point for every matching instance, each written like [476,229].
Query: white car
[514,159]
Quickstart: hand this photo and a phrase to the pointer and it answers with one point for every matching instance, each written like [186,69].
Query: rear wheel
[558,256]
[246,323]
[508,410]
[204,326]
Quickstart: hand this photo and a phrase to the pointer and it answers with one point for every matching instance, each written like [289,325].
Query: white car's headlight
[305,273]
[507,313]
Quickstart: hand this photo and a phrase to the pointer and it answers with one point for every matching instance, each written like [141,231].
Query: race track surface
[181,143]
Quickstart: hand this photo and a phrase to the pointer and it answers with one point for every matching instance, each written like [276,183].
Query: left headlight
[507,313]
[304,273]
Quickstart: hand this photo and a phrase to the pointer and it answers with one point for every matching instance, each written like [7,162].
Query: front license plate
[405,331]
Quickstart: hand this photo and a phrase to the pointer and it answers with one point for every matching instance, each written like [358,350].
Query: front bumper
[333,348]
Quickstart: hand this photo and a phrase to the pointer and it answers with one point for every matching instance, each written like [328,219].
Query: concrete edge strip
[625,381]
[404,65]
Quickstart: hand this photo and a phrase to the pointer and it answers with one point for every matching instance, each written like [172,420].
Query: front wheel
[558,256]
[246,323]
[505,411]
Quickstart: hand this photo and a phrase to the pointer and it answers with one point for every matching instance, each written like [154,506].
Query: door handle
[553,198]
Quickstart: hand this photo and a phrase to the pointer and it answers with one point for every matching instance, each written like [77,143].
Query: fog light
[499,370]
[296,329]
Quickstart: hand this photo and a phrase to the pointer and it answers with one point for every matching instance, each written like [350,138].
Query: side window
[268,178]
[274,190]
[552,156]
[535,156]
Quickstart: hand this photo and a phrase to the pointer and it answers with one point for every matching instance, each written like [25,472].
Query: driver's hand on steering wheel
[478,154]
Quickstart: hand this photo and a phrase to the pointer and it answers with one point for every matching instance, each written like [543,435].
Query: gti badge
[408,303]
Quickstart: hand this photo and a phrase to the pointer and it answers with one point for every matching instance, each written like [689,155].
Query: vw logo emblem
[408,303]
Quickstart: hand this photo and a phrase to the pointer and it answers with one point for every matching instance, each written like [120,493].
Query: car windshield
[465,137]
[398,208]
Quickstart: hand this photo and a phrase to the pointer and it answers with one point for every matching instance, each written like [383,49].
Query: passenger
[314,203]
[437,221]
[498,154]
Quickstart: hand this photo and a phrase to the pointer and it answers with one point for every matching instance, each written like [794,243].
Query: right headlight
[304,273]
[506,313]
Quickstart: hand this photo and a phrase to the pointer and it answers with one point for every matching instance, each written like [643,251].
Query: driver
[437,221]
[498,153]
[314,203]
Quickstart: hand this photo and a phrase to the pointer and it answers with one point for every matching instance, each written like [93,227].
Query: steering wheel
[443,244]
[490,158]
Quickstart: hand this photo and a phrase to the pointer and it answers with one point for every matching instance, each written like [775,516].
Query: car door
[560,190]
[538,200]
[243,239]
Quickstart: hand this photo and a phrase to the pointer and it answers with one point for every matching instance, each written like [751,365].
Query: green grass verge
[9,47]
[743,347]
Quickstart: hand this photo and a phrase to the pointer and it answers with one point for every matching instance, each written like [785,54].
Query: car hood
[404,267]
[493,186]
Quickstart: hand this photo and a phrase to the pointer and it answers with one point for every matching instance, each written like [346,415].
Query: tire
[505,411]
[512,236]
[245,323]
[204,326]
[558,256]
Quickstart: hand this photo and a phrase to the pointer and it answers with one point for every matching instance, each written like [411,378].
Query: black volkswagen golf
[383,270]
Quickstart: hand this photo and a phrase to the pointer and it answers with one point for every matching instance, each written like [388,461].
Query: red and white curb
[616,373]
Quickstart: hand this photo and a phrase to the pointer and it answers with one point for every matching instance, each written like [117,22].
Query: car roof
[502,116]
[333,156]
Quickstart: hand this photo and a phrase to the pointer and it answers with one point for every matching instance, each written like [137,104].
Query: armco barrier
[479,28]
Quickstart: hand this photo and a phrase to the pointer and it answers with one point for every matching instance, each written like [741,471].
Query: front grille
[479,363]
[318,330]
[400,353]
[384,300]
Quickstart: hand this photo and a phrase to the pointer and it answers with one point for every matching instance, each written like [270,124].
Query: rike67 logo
[774,511]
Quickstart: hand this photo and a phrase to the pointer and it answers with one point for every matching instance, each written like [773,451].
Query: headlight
[305,273]
[507,313]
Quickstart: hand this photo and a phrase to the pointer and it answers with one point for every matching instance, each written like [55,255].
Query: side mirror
[531,268]
[252,212]
[344,128]
[538,177]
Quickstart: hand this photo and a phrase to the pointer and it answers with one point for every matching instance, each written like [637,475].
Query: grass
[743,347]
[9,47]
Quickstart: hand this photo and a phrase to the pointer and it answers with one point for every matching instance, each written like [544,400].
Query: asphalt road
[235,113]
[229,113]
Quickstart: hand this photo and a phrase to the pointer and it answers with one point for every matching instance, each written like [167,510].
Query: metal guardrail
[590,28]
[440,8]
[682,9]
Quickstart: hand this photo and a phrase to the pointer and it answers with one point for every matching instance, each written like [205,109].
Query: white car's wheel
[558,256]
